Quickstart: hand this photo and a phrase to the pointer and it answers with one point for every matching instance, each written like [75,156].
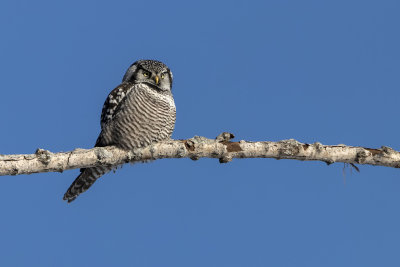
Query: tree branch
[195,148]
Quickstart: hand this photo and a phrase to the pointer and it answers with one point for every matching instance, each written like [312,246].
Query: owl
[138,112]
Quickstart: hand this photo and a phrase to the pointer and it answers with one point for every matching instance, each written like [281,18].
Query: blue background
[325,71]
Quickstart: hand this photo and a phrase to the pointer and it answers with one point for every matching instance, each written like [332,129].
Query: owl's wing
[110,108]
[113,101]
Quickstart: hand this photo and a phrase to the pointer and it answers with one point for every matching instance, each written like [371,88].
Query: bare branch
[194,148]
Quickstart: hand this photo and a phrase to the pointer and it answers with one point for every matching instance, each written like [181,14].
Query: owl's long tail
[85,180]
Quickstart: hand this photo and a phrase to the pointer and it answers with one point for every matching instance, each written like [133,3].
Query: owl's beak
[157,79]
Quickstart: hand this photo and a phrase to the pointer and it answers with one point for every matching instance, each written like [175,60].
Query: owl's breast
[146,116]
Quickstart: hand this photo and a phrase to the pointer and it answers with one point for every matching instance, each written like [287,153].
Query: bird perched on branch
[139,112]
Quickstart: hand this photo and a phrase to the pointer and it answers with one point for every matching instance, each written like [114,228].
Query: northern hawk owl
[140,111]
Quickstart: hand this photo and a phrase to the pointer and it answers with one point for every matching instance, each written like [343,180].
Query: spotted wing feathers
[114,99]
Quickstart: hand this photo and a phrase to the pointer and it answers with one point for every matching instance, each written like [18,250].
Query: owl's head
[151,72]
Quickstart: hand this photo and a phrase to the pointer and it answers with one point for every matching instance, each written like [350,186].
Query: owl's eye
[162,75]
[146,74]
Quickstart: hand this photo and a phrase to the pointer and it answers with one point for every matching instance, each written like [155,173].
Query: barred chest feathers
[146,116]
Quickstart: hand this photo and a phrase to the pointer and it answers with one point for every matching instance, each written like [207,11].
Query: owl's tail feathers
[85,180]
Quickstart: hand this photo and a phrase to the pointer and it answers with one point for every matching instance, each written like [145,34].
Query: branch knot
[225,136]
[44,156]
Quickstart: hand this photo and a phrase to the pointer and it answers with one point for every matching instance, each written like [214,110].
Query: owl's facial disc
[151,72]
[158,79]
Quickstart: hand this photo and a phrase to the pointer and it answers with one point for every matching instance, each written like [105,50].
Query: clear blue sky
[324,71]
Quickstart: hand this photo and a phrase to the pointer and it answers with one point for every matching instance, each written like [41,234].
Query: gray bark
[195,148]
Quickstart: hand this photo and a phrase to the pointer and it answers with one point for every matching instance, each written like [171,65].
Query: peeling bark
[195,148]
